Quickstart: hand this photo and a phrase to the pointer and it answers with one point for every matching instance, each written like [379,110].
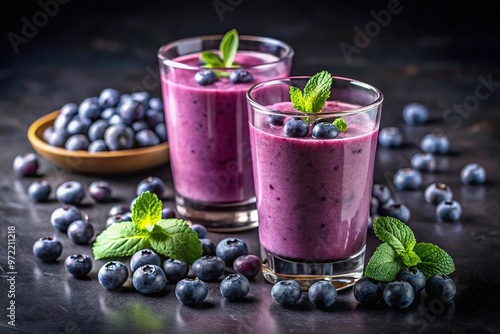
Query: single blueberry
[325,130]
[381,192]
[154,117]
[200,230]
[167,213]
[58,138]
[78,125]
[441,287]
[240,76]
[156,103]
[449,211]
[322,294]
[89,108]
[69,109]
[39,191]
[118,218]
[152,184]
[131,111]
[77,142]
[437,143]
[396,210]
[175,270]
[208,246]
[143,257]
[119,137]
[116,119]
[118,210]
[473,173]
[296,127]
[108,97]
[407,179]
[415,113]
[107,113]
[149,279]
[112,275]
[414,276]
[367,291]
[286,292]
[97,129]
[81,232]
[208,268]
[191,292]
[62,121]
[64,215]
[70,192]
[391,137]
[248,265]
[146,138]
[100,191]
[234,287]
[26,164]
[139,126]
[78,265]
[398,294]
[425,162]
[205,77]
[437,192]
[98,145]
[141,97]
[47,249]
[161,130]
[276,120]
[228,249]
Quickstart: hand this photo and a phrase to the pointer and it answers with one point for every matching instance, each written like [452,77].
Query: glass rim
[167,61]
[352,111]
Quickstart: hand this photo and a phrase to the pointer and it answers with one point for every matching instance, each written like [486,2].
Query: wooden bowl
[112,162]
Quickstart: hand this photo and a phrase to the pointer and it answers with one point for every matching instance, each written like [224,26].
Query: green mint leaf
[120,239]
[434,260]
[211,59]
[396,233]
[384,264]
[146,211]
[229,47]
[297,98]
[175,239]
[410,259]
[340,124]
[317,91]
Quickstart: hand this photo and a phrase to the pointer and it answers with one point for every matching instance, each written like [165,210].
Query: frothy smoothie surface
[313,195]
[208,130]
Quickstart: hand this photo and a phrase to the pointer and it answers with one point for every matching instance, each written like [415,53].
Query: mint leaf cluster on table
[311,101]
[170,237]
[399,250]
[225,58]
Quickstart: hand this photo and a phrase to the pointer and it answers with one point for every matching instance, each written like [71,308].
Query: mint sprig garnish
[170,237]
[399,250]
[228,48]
[313,98]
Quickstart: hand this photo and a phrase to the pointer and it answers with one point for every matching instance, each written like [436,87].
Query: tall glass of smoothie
[207,126]
[313,193]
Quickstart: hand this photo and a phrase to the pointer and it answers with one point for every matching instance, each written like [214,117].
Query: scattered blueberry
[143,257]
[425,162]
[276,120]
[381,192]
[396,210]
[200,230]
[118,209]
[80,232]
[118,218]
[374,206]
[153,184]
[415,113]
[39,191]
[100,191]
[449,211]
[191,292]
[78,265]
[391,137]
[70,192]
[413,276]
[240,76]
[208,268]
[437,192]
[248,265]
[296,127]
[437,143]
[112,275]
[64,215]
[47,249]
[208,246]
[398,294]
[473,173]
[325,130]
[367,291]
[175,270]
[228,249]
[322,294]
[167,213]
[286,292]
[26,164]
[441,287]
[407,179]
[149,279]
[205,77]
[119,137]
[234,287]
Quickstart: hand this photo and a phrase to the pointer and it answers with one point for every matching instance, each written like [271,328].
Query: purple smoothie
[313,195]
[208,130]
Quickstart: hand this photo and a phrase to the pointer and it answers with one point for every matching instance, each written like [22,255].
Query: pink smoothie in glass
[208,130]
[313,195]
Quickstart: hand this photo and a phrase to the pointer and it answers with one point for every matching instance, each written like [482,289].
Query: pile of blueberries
[110,121]
[410,178]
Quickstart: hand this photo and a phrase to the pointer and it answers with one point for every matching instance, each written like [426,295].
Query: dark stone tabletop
[443,54]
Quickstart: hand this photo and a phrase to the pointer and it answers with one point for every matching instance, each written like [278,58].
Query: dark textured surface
[435,54]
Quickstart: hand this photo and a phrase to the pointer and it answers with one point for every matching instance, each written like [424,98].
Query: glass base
[229,217]
[342,273]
